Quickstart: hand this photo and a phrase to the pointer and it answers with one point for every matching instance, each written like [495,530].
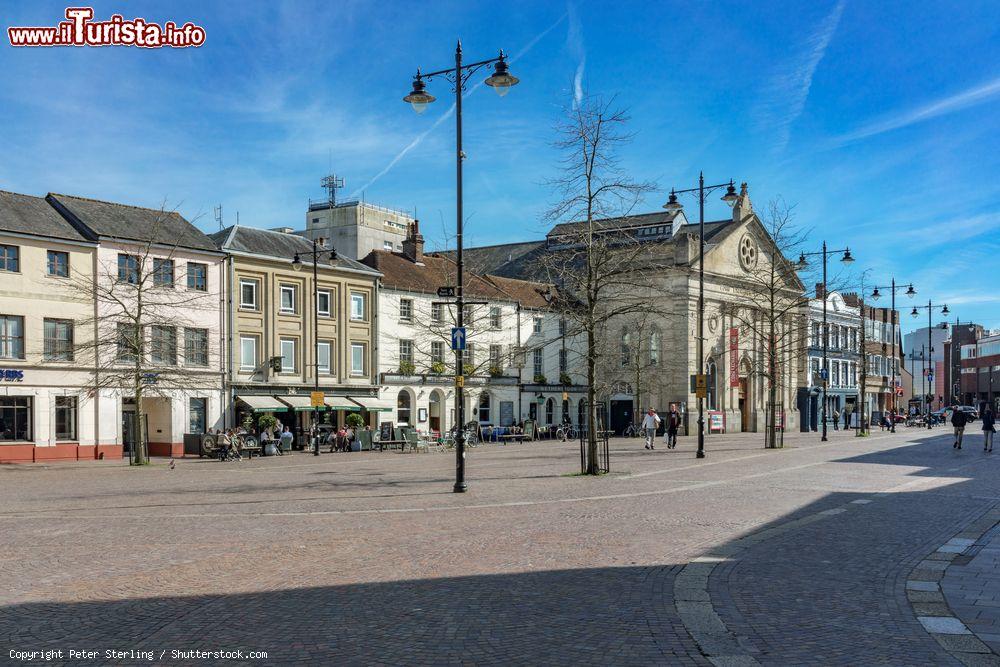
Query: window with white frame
[563,361]
[11,337]
[323,356]
[163,345]
[406,310]
[195,347]
[436,313]
[323,302]
[249,290]
[288,357]
[163,272]
[437,352]
[405,352]
[58,340]
[197,276]
[358,351]
[358,306]
[496,351]
[248,353]
[538,362]
[128,269]
[58,263]
[537,325]
[836,374]
[129,342]
[494,317]
[289,299]
[469,355]
[66,417]
[10,258]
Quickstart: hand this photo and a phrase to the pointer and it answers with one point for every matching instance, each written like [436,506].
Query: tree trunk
[592,467]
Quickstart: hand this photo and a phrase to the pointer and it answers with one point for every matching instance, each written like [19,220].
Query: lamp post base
[460,488]
[699,455]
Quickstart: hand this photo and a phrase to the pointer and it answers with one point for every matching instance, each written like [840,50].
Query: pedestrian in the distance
[989,428]
[847,419]
[673,423]
[836,419]
[958,420]
[649,425]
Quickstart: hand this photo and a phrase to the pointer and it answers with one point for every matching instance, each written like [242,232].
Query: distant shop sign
[11,375]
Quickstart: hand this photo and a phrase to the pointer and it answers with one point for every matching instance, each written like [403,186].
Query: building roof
[279,245]
[490,258]
[437,270]
[107,220]
[611,224]
[24,214]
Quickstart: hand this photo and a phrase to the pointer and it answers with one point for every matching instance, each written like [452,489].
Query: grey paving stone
[944,625]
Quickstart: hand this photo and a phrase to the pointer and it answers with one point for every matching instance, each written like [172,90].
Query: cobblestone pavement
[368,558]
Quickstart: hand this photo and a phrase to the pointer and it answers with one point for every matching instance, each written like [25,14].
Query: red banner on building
[734,361]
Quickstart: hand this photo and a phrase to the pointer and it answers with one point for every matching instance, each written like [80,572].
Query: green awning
[341,403]
[372,404]
[263,403]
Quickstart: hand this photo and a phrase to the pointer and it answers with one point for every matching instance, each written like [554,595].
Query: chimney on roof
[819,291]
[413,244]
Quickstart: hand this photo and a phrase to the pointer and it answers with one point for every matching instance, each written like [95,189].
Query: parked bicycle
[566,432]
[631,431]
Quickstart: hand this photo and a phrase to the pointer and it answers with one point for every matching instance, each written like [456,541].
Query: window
[563,361]
[10,258]
[484,408]
[538,365]
[163,272]
[11,337]
[467,316]
[405,352]
[197,277]
[58,343]
[248,294]
[854,340]
[406,310]
[358,310]
[436,313]
[163,345]
[289,300]
[496,351]
[387,245]
[128,269]
[323,302]
[65,408]
[814,376]
[195,347]
[323,357]
[626,349]
[550,408]
[536,326]
[248,353]
[835,337]
[129,343]
[654,348]
[469,355]
[437,352]
[403,407]
[15,418]
[836,374]
[357,358]
[495,317]
[58,263]
[197,415]
[288,355]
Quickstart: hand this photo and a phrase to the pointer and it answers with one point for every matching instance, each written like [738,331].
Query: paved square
[368,558]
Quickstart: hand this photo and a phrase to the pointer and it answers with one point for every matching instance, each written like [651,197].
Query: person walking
[847,419]
[836,419]
[673,423]
[649,425]
[958,420]
[989,428]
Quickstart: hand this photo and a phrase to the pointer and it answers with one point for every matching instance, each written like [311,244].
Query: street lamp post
[297,266]
[419,98]
[930,344]
[825,372]
[675,206]
[910,292]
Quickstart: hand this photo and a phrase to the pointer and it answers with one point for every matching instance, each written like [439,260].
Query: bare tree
[774,307]
[603,273]
[141,307]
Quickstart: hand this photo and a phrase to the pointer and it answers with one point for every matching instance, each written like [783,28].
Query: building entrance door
[744,406]
[621,415]
[129,431]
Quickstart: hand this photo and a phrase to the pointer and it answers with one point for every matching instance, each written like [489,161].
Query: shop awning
[372,404]
[263,403]
[298,403]
[341,403]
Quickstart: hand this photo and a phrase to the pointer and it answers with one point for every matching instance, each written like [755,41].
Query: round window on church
[748,253]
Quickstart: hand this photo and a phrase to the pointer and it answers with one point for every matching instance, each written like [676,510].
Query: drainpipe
[229,303]
[97,363]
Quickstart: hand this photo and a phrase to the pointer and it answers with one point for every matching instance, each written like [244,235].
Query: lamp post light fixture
[930,346]
[846,258]
[910,292]
[317,249]
[501,81]
[675,206]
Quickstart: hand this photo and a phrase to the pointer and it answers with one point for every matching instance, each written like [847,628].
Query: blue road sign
[458,338]
[824,374]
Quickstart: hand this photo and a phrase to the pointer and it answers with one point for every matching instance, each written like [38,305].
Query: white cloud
[574,42]
[940,107]
[788,91]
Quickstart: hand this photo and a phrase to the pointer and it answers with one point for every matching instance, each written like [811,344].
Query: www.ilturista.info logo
[80,30]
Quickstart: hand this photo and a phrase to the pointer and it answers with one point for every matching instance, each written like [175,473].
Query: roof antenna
[237,218]
[332,183]
[218,215]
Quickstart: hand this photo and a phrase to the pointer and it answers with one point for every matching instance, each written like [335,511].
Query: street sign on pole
[445,292]
[458,338]
[459,380]
[824,374]
[317,399]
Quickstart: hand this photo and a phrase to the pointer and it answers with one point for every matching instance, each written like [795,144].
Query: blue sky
[877,120]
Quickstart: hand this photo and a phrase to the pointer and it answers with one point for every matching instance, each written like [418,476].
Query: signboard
[149,378]
[317,399]
[459,380]
[565,395]
[458,338]
[506,413]
[701,385]
[824,374]
[445,292]
[11,375]
[734,362]
[716,422]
